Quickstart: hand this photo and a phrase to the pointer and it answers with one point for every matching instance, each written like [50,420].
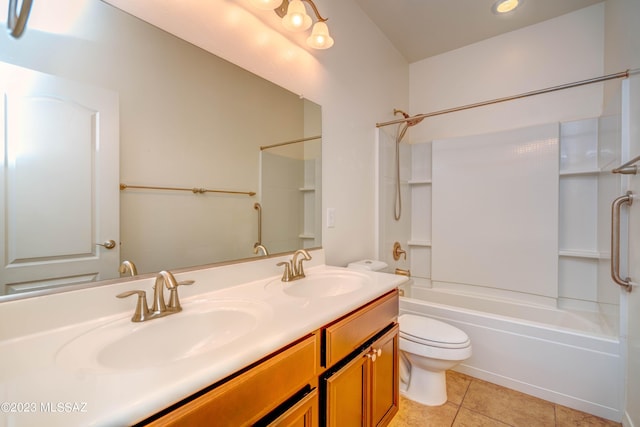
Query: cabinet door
[384,378]
[348,393]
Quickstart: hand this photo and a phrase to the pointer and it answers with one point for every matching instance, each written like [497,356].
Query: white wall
[562,50]
[622,35]
[622,51]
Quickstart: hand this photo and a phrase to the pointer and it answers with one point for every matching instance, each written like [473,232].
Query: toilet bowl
[428,348]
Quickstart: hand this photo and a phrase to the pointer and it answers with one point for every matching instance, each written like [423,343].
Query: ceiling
[423,28]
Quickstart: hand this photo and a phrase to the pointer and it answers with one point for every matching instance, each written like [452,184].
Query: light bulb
[296,18]
[505,6]
[266,4]
[320,38]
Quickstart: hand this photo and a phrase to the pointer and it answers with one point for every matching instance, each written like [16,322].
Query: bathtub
[569,358]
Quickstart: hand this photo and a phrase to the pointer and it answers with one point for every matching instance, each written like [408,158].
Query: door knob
[109,244]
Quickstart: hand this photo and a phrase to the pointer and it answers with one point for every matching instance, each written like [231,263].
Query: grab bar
[629,168]
[258,207]
[16,22]
[615,240]
[193,190]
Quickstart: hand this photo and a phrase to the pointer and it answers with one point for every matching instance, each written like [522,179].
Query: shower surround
[507,238]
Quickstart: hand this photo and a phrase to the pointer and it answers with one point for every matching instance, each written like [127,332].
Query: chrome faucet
[160,308]
[293,269]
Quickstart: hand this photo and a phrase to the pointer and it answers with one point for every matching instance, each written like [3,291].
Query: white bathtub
[561,356]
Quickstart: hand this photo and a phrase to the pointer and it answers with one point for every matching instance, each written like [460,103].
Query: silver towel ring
[18,22]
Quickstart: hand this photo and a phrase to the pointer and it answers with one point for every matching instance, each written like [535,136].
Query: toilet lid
[427,331]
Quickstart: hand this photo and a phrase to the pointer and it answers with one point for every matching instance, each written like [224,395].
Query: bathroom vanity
[322,350]
[355,358]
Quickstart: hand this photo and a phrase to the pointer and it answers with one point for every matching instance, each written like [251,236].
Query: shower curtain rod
[620,75]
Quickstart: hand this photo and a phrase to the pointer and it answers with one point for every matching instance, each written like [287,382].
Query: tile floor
[476,403]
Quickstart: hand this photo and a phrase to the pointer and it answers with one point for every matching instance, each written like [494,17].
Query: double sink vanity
[246,348]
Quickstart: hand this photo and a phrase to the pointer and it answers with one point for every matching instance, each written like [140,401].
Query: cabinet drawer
[350,332]
[302,414]
[251,395]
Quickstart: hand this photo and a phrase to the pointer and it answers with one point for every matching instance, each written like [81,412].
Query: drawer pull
[373,354]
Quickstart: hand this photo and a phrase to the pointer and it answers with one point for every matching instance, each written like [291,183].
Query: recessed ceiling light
[505,6]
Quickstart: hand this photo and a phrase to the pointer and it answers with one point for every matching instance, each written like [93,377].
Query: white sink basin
[201,327]
[321,285]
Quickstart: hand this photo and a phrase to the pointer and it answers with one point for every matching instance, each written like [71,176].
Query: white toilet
[428,347]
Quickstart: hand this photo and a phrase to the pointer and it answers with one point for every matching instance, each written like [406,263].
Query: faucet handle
[286,275]
[397,251]
[142,309]
[174,301]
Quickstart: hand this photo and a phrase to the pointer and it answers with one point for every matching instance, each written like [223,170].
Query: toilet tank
[368,264]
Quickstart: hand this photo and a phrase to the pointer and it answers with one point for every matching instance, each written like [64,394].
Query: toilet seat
[431,332]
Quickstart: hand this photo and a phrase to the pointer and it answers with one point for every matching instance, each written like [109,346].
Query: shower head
[397,111]
[411,122]
[402,128]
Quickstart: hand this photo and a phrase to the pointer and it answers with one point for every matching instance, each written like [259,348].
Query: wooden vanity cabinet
[344,374]
[363,392]
[256,392]
[362,389]
[348,333]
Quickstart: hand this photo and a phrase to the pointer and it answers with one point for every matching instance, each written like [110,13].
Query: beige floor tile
[467,418]
[489,405]
[567,417]
[457,385]
[509,406]
[412,414]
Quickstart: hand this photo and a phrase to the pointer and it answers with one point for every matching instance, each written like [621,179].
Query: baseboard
[626,420]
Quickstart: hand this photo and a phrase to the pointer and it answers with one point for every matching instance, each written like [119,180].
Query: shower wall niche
[584,187]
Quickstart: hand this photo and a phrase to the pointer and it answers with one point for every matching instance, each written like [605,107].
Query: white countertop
[37,389]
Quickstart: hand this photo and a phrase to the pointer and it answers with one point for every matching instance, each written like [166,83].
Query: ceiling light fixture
[294,18]
[505,6]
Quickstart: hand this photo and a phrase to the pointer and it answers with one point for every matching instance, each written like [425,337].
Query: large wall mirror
[114,130]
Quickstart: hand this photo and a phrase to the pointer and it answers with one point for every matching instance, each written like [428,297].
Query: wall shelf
[576,172]
[422,243]
[583,254]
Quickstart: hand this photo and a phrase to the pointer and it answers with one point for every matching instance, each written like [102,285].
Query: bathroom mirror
[185,122]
